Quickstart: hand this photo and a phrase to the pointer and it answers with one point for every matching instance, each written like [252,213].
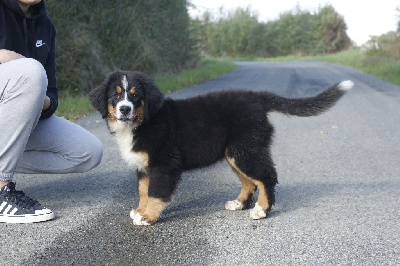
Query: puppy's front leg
[153,210]
[143,188]
[159,186]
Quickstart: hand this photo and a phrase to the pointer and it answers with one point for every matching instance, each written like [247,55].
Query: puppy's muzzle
[126,113]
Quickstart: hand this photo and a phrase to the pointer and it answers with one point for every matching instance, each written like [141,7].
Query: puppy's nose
[125,110]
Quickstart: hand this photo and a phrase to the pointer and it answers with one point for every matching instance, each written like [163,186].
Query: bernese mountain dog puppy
[161,137]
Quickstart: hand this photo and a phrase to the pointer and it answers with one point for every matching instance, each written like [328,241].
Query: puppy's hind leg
[246,196]
[266,199]
[260,173]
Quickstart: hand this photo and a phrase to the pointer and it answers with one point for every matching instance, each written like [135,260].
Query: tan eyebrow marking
[119,90]
[132,91]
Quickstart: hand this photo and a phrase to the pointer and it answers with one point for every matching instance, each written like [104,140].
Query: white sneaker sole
[39,216]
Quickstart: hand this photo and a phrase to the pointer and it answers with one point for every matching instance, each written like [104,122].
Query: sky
[363,18]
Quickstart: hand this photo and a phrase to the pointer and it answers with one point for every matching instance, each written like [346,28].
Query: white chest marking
[124,137]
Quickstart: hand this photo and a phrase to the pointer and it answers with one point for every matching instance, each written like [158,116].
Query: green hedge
[97,37]
[299,32]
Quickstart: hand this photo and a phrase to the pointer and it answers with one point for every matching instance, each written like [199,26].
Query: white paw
[234,205]
[137,218]
[257,213]
[132,214]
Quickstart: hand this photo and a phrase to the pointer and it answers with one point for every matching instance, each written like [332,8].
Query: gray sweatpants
[30,145]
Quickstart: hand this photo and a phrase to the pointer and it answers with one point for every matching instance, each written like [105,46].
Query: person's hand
[7,55]
[47,103]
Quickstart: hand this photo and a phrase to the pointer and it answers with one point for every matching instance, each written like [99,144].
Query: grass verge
[73,107]
[209,68]
[378,65]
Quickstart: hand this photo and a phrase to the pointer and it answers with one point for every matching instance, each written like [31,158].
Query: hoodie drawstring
[26,35]
[30,51]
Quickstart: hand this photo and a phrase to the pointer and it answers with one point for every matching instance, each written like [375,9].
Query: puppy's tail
[310,106]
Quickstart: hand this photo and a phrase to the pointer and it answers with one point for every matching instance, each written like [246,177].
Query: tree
[231,35]
[298,31]
[333,30]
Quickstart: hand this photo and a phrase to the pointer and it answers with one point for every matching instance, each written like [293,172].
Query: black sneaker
[15,207]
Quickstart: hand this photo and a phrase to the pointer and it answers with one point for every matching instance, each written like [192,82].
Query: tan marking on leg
[248,185]
[262,195]
[143,187]
[248,188]
[153,210]
[143,194]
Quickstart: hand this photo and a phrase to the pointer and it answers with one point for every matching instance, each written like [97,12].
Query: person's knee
[95,149]
[97,153]
[33,75]
[25,89]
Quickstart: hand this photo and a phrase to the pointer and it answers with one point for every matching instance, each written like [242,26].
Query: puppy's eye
[132,92]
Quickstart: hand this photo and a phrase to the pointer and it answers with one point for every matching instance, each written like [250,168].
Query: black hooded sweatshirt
[32,37]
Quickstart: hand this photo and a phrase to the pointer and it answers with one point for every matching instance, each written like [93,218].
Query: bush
[387,45]
[295,32]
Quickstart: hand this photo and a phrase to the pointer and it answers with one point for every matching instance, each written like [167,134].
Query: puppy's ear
[98,97]
[154,98]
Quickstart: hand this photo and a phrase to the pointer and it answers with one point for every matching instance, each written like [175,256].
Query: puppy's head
[128,98]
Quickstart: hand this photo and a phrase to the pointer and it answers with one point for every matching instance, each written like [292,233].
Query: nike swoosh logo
[39,43]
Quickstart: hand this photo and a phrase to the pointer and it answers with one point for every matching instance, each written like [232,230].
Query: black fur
[179,135]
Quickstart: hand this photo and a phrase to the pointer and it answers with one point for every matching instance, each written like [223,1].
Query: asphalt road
[337,198]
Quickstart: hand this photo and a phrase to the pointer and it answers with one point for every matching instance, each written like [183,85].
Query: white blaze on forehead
[125,103]
[124,82]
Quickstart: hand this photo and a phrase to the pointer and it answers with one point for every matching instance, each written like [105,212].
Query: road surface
[337,201]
